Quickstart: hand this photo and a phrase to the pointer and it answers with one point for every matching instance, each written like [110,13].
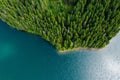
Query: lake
[24,56]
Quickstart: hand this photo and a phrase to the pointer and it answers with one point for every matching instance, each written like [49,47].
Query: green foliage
[65,24]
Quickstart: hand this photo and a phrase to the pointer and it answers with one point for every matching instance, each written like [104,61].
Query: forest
[65,24]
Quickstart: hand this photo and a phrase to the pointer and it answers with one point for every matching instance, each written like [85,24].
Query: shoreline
[85,48]
[79,49]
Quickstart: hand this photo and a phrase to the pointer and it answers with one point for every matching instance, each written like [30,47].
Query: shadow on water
[28,57]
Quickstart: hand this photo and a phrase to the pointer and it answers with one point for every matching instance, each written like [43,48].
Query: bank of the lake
[80,49]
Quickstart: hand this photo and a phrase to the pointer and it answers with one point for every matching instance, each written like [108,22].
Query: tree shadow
[33,58]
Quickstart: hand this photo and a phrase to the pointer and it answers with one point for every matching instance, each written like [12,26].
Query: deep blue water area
[24,56]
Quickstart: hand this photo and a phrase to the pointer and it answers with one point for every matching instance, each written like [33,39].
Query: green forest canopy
[65,24]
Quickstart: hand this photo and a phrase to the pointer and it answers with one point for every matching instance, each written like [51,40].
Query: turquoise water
[24,56]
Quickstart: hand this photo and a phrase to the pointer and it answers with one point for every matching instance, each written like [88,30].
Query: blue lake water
[24,56]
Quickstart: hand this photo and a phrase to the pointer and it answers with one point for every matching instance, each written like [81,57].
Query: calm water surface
[24,56]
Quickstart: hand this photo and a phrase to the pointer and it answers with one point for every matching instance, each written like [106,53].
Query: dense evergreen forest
[66,24]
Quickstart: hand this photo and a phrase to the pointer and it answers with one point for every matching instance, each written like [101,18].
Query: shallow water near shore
[24,56]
